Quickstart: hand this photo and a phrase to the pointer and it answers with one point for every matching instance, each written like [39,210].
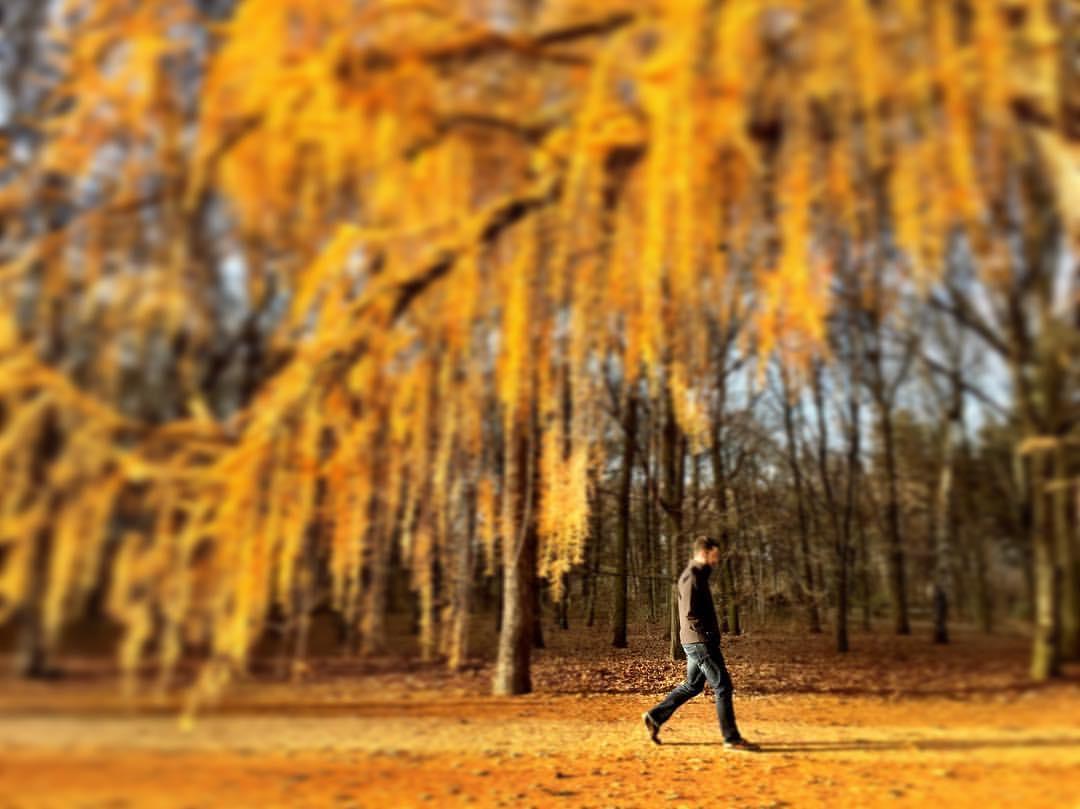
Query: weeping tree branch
[484,43]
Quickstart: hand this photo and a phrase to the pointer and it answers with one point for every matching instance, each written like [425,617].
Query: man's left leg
[712,665]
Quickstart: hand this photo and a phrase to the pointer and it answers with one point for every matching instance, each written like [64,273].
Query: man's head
[707,550]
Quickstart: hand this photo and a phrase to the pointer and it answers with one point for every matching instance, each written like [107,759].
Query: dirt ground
[898,722]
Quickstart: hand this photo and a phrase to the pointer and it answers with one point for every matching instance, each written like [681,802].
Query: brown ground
[898,723]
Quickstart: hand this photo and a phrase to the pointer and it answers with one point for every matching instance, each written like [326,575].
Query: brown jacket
[697,615]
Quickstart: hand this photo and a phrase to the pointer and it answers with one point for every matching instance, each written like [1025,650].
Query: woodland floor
[897,722]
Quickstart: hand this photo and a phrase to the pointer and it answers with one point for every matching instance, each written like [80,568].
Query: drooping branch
[485,42]
[493,223]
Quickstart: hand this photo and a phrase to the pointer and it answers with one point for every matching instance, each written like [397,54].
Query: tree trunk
[729,609]
[809,599]
[730,600]
[734,624]
[851,509]
[975,540]
[759,535]
[429,608]
[33,644]
[537,614]
[1067,564]
[31,658]
[672,452]
[377,594]
[650,561]
[895,557]
[984,607]
[304,595]
[841,525]
[1045,660]
[593,556]
[842,642]
[512,674]
[458,650]
[622,538]
[564,603]
[864,568]
[943,523]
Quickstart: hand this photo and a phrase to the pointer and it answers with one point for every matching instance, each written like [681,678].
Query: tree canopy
[283,279]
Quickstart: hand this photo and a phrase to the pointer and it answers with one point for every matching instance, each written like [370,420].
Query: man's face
[712,557]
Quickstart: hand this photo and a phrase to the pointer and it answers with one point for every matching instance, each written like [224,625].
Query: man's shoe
[743,745]
[652,727]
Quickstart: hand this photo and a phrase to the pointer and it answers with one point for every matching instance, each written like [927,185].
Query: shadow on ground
[870,746]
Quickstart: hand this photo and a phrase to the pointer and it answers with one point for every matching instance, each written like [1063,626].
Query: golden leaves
[1062,162]
[563,522]
[866,72]
[452,236]
[488,522]
[515,349]
[794,294]
[907,184]
[321,275]
[691,413]
[651,268]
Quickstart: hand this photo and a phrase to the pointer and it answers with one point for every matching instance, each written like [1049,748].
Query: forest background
[360,328]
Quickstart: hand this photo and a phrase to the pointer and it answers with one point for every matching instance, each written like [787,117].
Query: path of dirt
[362,742]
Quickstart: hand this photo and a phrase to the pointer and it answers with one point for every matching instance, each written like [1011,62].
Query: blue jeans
[704,661]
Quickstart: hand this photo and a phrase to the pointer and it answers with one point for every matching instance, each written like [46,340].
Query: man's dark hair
[702,544]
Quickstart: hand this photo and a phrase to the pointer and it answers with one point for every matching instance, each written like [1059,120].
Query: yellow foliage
[440,223]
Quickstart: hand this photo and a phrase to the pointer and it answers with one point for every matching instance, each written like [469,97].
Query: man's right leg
[684,691]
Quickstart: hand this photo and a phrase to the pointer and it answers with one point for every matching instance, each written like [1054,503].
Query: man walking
[699,633]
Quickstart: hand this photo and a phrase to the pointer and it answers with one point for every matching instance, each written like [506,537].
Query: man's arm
[704,612]
[700,615]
